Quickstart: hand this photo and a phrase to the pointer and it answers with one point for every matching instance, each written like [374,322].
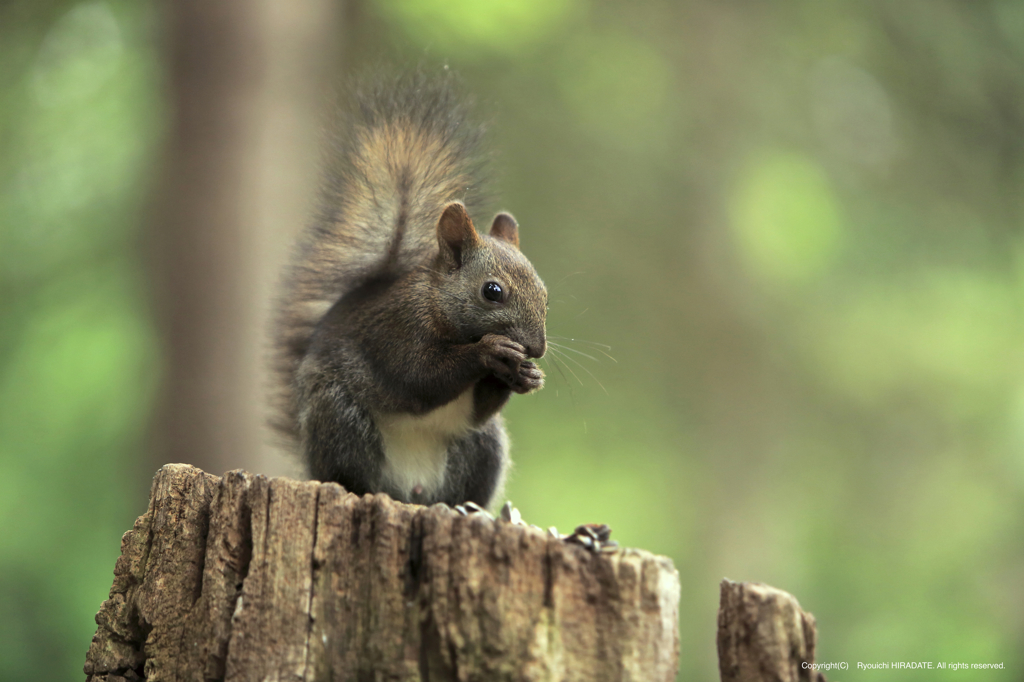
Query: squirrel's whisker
[571,350]
[585,369]
[571,274]
[597,347]
[560,357]
[557,364]
[575,340]
[558,368]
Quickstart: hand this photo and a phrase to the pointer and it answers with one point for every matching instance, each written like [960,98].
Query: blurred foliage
[797,228]
[79,115]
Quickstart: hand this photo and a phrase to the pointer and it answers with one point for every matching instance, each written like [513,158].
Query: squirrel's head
[488,285]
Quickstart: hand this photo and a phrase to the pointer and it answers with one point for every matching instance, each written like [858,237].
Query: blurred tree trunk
[246,85]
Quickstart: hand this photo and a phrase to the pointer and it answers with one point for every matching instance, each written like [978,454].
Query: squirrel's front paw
[503,356]
[508,360]
[530,378]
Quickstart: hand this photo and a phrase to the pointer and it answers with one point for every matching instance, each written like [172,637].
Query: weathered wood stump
[764,635]
[244,577]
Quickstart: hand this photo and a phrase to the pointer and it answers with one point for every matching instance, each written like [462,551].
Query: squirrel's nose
[536,348]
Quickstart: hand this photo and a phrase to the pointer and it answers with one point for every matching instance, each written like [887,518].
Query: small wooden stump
[244,577]
[764,636]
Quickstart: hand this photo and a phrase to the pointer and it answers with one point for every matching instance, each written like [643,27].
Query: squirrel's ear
[455,232]
[506,228]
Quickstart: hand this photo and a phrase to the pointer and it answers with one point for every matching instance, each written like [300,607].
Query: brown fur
[402,331]
[407,150]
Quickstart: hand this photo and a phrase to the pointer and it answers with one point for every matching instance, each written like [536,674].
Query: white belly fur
[416,446]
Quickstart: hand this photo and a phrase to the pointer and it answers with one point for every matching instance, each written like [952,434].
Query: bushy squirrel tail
[403,147]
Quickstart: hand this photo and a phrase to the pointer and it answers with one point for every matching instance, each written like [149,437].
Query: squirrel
[401,331]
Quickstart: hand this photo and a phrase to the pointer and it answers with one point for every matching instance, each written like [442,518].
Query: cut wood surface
[249,578]
[764,636]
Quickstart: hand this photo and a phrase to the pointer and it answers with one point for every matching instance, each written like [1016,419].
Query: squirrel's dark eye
[492,291]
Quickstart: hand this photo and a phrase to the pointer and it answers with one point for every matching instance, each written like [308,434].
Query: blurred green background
[797,227]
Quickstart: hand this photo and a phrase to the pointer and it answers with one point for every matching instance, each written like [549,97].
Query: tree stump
[764,636]
[244,577]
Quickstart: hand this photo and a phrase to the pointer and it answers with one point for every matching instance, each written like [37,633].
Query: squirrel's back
[404,148]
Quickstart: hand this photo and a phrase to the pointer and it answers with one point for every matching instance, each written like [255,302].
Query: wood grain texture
[244,577]
[764,636]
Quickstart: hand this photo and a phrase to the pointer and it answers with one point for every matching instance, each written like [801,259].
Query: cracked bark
[244,577]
